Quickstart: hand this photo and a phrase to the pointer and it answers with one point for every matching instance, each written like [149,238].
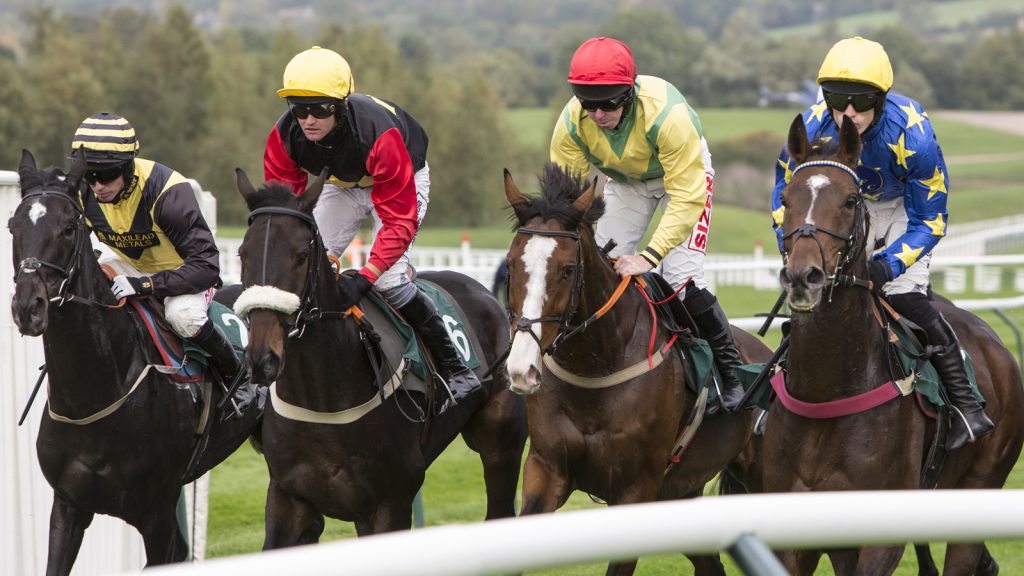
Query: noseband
[31,265]
[854,241]
[565,330]
[308,307]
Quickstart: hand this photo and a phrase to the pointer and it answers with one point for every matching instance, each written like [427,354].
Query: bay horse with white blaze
[838,354]
[607,393]
[118,435]
[339,441]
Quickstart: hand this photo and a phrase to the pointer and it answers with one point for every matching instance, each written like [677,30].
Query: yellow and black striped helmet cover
[106,136]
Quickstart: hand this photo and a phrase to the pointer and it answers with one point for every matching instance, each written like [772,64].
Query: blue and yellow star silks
[901,159]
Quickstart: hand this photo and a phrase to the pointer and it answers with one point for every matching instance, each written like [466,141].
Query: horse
[118,436]
[838,352]
[607,422]
[368,469]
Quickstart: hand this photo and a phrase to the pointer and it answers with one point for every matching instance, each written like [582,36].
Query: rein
[854,240]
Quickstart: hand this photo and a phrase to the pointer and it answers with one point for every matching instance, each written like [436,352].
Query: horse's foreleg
[545,488]
[290,521]
[392,516]
[161,535]
[707,565]
[799,562]
[67,527]
[498,434]
[963,559]
[877,560]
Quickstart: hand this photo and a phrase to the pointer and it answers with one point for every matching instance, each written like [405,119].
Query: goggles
[607,105]
[861,102]
[103,175]
[319,110]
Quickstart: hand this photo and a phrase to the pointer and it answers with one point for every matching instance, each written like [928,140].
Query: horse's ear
[797,142]
[849,142]
[587,198]
[309,197]
[515,198]
[245,188]
[78,166]
[28,175]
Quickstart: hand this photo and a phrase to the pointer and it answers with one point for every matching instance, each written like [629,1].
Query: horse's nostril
[814,276]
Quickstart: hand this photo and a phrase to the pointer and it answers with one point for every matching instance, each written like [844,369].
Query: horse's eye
[70,228]
[851,200]
[568,272]
[302,257]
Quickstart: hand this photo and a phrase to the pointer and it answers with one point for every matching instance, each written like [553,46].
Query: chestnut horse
[119,435]
[837,351]
[366,468]
[611,432]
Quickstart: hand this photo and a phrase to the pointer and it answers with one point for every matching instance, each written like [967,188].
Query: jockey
[148,215]
[376,155]
[643,136]
[904,180]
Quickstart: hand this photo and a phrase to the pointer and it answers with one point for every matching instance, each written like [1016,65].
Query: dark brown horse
[837,351]
[364,469]
[118,435]
[611,431]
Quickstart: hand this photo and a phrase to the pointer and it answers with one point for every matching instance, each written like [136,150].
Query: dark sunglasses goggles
[861,102]
[609,105]
[319,110]
[103,175]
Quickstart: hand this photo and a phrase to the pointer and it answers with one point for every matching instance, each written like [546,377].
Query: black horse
[341,438]
[118,436]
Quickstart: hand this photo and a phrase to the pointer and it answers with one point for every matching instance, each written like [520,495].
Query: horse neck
[324,367]
[89,346]
[838,349]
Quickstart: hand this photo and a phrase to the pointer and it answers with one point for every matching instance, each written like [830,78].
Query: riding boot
[460,381]
[212,339]
[969,421]
[714,327]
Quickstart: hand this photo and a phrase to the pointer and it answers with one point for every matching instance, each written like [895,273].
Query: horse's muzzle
[804,286]
[29,307]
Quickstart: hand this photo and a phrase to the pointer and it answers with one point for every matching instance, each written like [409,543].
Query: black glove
[125,286]
[352,288]
[879,274]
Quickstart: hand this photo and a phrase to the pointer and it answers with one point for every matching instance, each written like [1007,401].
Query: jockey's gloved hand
[125,286]
[879,274]
[352,288]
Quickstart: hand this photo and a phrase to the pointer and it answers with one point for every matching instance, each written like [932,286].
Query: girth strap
[347,416]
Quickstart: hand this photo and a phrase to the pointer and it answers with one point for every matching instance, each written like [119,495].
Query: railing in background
[701,526]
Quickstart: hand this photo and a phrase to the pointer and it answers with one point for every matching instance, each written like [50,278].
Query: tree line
[203,102]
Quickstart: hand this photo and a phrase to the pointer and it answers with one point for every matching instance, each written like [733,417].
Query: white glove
[125,286]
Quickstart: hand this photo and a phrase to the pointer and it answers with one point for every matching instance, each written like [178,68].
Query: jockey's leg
[969,420]
[713,325]
[212,339]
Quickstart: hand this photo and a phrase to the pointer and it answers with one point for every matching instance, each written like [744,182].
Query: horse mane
[272,194]
[559,189]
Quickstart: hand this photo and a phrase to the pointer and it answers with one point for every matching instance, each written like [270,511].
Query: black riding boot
[462,382]
[714,327]
[969,420]
[212,339]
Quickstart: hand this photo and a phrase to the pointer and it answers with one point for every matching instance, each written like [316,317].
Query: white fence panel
[703,525]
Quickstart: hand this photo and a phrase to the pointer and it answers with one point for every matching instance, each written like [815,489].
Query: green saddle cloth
[452,320]
[926,380]
[234,327]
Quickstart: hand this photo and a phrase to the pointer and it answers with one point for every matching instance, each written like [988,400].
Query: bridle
[565,329]
[309,309]
[32,265]
[854,241]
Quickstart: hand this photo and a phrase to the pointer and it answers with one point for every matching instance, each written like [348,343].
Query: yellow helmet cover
[857,60]
[317,72]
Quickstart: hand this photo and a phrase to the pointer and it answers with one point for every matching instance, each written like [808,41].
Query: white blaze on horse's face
[524,359]
[815,183]
[36,212]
